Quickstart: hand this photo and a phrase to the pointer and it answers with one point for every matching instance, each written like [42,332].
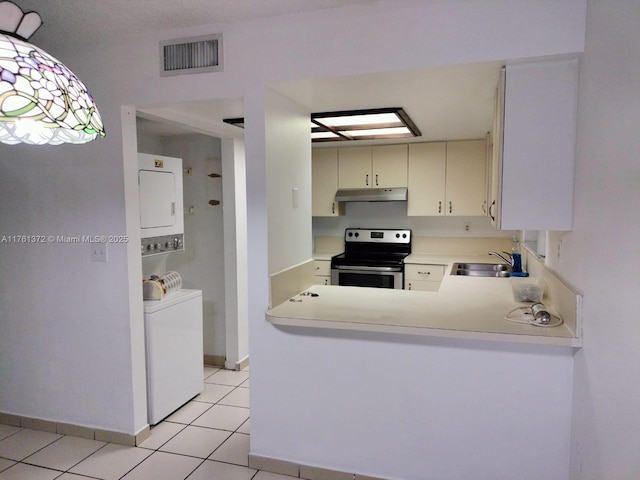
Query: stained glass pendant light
[41,100]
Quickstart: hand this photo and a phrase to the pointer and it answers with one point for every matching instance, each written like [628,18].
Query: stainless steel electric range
[372,258]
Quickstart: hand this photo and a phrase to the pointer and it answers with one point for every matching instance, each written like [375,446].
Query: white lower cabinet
[322,272]
[423,277]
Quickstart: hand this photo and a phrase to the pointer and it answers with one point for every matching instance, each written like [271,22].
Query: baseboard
[72,430]
[237,366]
[297,470]
[215,360]
[220,361]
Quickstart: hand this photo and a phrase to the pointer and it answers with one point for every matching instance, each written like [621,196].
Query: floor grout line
[158,448]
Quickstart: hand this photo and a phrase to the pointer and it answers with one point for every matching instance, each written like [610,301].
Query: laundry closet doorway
[214,216]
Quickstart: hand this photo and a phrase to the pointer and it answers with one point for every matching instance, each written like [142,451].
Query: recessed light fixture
[371,124]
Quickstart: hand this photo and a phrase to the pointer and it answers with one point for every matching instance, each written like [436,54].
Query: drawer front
[322,267]
[322,280]
[433,273]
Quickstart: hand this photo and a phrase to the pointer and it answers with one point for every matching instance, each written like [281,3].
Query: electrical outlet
[99,252]
[467,226]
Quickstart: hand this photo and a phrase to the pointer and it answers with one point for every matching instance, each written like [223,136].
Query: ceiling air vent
[191,55]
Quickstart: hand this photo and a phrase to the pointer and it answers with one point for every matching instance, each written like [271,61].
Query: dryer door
[157,191]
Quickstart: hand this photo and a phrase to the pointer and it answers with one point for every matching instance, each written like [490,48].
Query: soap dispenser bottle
[516,256]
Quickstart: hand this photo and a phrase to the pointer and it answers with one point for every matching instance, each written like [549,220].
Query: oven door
[357,276]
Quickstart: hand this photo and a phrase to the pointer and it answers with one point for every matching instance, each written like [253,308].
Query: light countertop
[324,255]
[464,307]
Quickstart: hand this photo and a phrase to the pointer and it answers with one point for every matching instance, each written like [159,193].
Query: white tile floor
[207,439]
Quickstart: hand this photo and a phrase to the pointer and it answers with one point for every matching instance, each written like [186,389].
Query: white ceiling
[445,103]
[92,21]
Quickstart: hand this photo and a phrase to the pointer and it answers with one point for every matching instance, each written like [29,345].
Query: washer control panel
[163,244]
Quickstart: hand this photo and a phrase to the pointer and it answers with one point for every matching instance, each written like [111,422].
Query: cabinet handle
[484,207]
[409,287]
[439,207]
[450,207]
[326,281]
[376,179]
[333,207]
[490,211]
[366,181]
[424,273]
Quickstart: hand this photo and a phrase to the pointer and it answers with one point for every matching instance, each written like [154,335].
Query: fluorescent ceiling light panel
[325,135]
[356,125]
[403,131]
[364,124]
[371,119]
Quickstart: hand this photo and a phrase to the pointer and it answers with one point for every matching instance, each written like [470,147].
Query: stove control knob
[397,235]
[357,234]
[150,246]
[351,234]
[404,235]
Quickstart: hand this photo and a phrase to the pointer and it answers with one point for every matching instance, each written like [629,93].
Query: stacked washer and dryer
[172,315]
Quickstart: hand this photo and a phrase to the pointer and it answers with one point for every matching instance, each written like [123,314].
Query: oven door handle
[367,269]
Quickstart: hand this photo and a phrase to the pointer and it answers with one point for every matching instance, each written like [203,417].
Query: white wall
[411,408]
[394,215]
[55,343]
[288,149]
[601,254]
[235,251]
[65,330]
[317,400]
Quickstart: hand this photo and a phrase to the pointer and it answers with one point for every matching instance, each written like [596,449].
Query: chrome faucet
[504,259]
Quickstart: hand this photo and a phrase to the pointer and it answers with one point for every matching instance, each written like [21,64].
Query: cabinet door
[495,170]
[466,181]
[426,178]
[539,145]
[324,171]
[354,167]
[422,285]
[389,164]
[322,268]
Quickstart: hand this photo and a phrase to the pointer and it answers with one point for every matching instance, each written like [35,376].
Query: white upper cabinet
[447,178]
[427,169]
[372,167]
[324,171]
[465,186]
[389,166]
[536,173]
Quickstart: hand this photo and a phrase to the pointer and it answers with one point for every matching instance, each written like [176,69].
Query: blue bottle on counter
[516,257]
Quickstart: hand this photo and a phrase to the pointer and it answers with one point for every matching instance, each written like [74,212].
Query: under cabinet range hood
[371,195]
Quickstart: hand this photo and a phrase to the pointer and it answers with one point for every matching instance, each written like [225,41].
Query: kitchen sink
[481,269]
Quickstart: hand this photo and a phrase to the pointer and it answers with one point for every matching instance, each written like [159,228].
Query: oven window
[366,280]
